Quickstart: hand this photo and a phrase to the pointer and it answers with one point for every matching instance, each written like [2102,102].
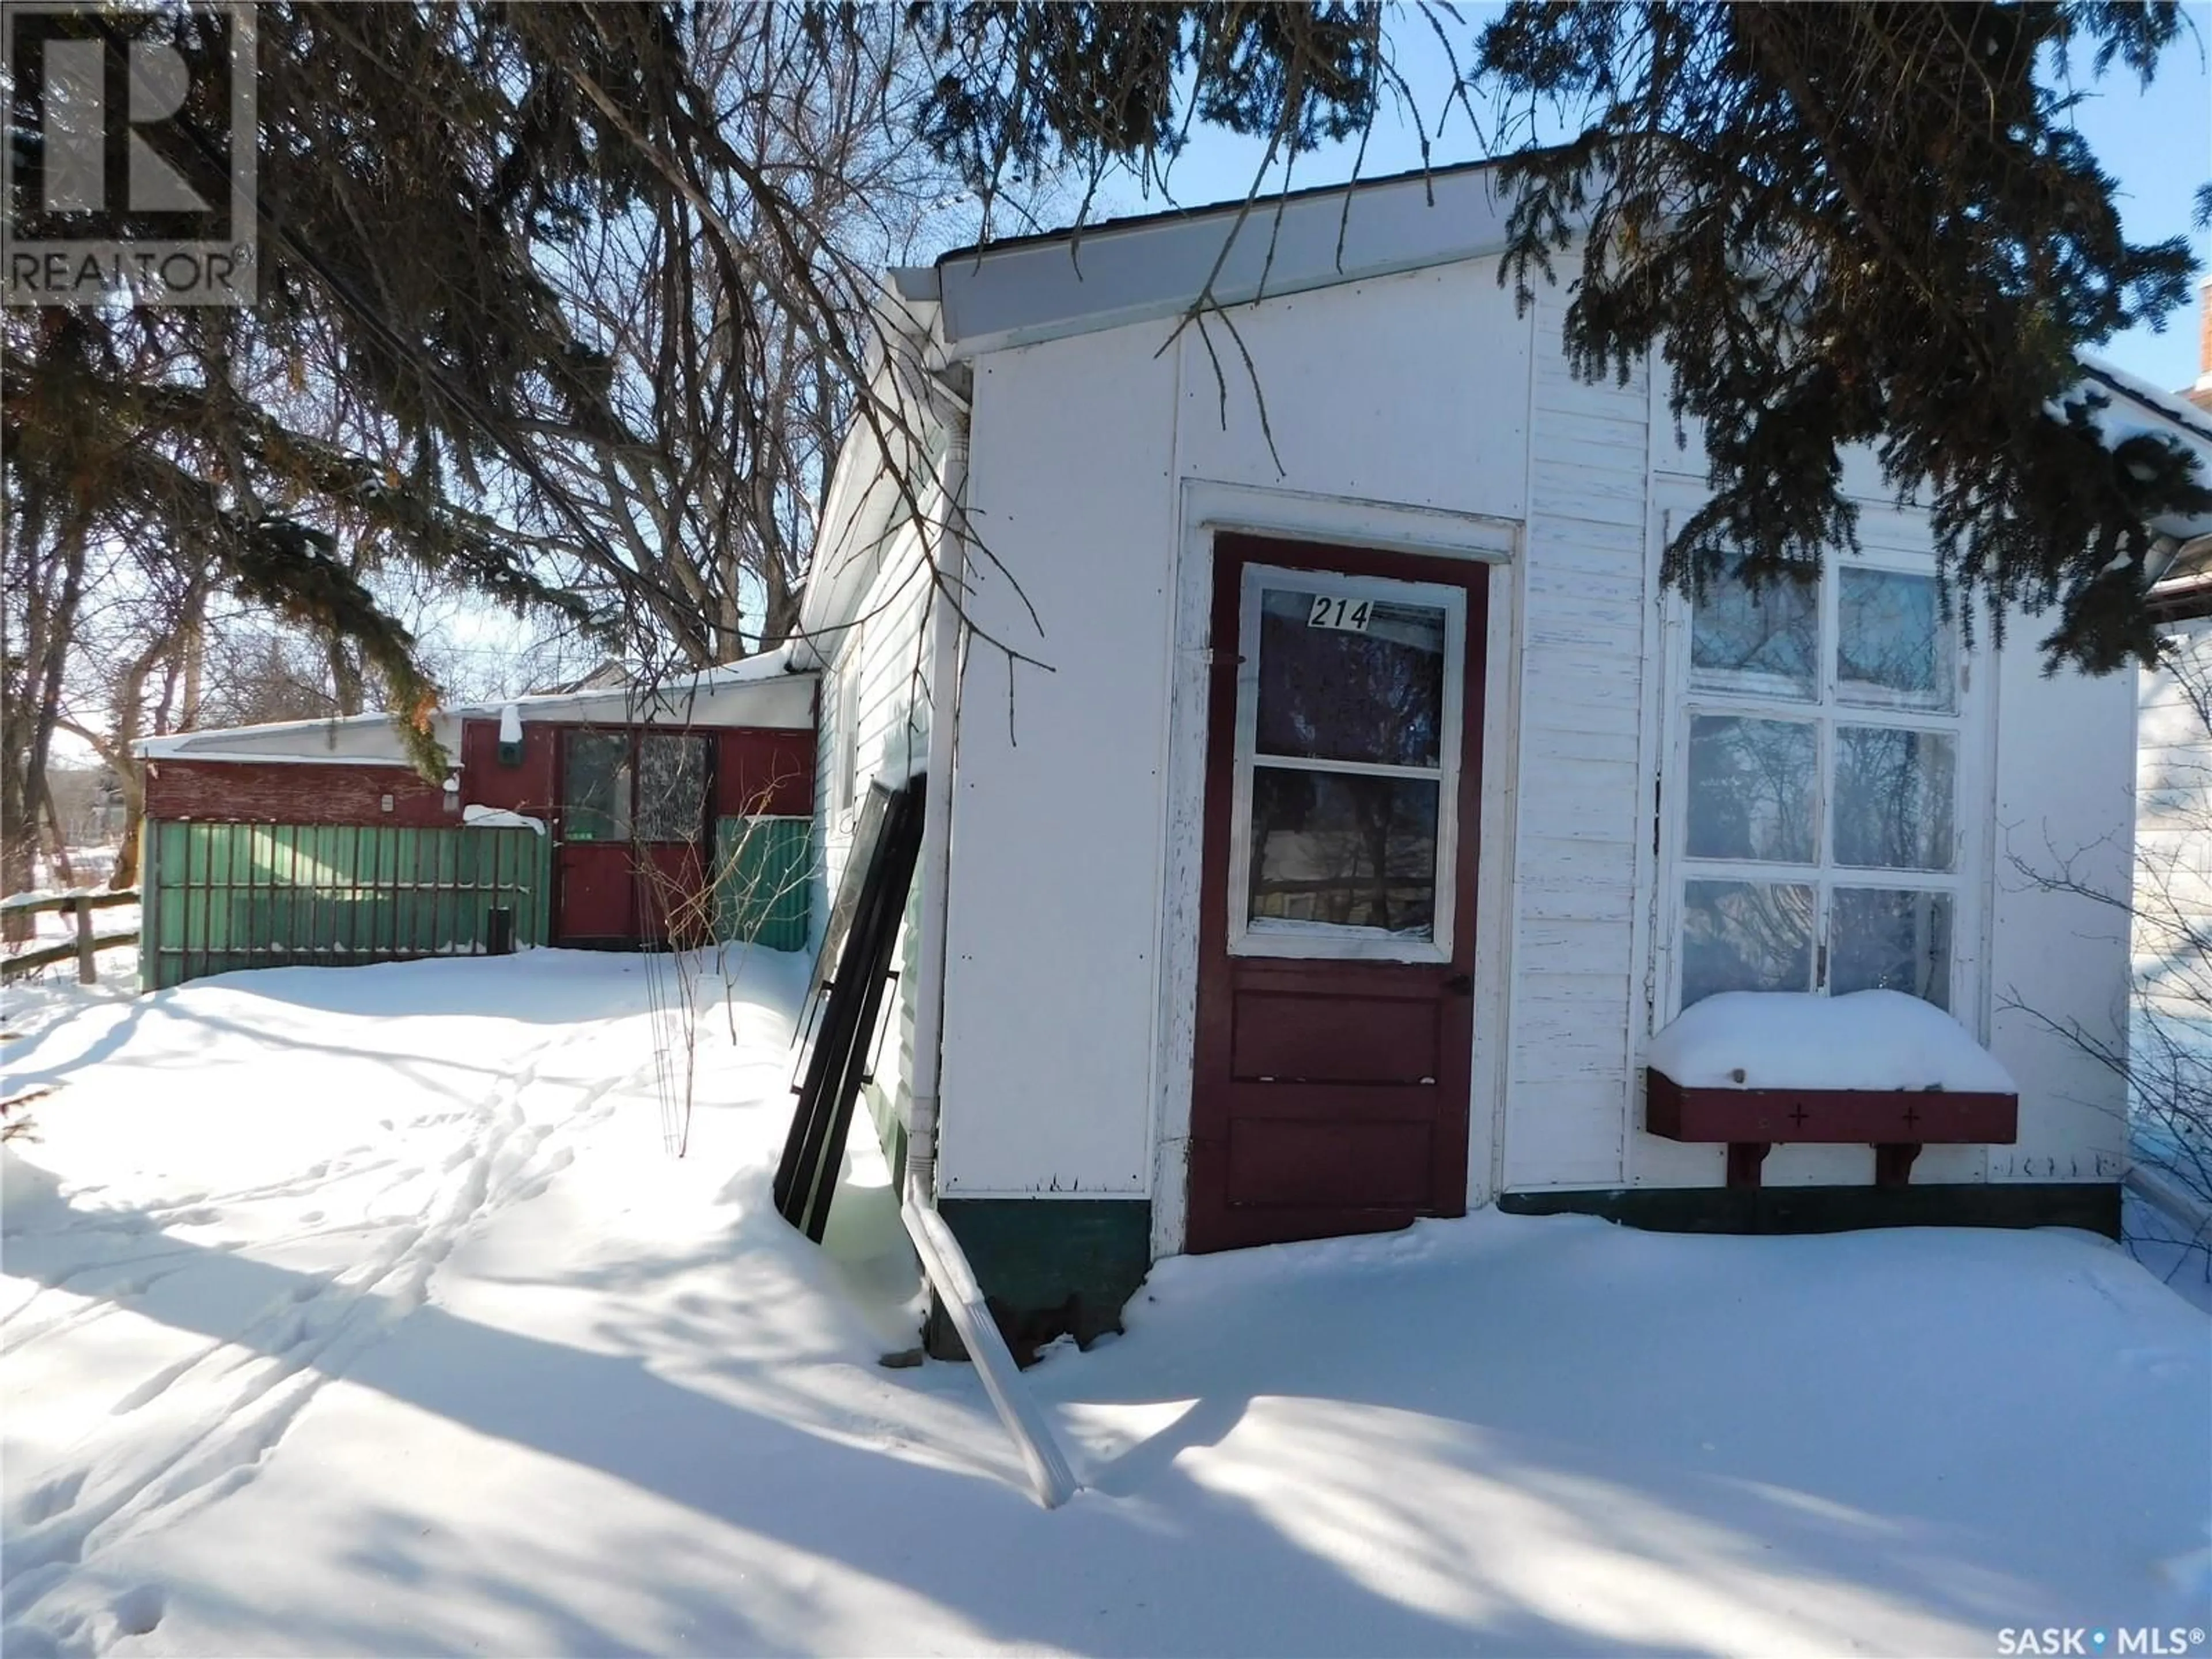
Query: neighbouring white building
[2173,781]
[1328,805]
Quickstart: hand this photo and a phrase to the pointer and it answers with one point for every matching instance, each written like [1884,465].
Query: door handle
[1459,985]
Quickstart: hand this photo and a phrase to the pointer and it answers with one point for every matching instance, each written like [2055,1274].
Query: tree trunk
[63,870]
[345,677]
[188,717]
[48,627]
[18,859]
[132,779]
[780,611]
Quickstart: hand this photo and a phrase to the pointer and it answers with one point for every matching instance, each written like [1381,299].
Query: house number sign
[1345,616]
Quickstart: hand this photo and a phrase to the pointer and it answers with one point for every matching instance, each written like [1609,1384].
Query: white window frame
[1244,939]
[1970,724]
[846,757]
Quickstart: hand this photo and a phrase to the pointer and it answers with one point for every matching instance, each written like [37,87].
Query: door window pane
[1893,647]
[672,787]
[1751,789]
[1892,941]
[1333,853]
[1345,678]
[1746,936]
[1767,642]
[595,786]
[1892,794]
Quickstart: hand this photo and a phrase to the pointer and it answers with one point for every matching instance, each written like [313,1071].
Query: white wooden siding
[1576,986]
[880,658]
[890,703]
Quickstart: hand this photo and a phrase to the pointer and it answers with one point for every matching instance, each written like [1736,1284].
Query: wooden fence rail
[87,944]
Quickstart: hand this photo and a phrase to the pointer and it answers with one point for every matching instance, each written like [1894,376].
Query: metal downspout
[937,817]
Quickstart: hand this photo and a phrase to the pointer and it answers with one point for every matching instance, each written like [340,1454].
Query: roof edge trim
[1108,275]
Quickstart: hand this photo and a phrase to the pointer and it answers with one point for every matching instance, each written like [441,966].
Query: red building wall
[526,788]
[757,771]
[760,771]
[292,791]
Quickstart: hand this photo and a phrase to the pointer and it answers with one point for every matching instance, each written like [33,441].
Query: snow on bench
[1754,1068]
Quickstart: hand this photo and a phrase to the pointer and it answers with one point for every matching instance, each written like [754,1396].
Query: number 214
[1349,615]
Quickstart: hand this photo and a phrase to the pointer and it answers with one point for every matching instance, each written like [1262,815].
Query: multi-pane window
[1818,827]
[1347,763]
[596,778]
[620,786]
[671,787]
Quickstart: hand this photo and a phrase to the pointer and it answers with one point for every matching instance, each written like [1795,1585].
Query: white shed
[1327,807]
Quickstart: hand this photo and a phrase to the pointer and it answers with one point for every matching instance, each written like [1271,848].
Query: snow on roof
[2141,410]
[765,689]
[2179,411]
[1797,1039]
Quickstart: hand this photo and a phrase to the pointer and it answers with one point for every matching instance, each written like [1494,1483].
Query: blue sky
[2156,142]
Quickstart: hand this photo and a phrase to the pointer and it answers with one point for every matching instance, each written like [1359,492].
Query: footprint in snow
[51,1499]
[138,1611]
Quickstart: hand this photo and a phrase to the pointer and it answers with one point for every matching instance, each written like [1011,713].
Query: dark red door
[632,848]
[591,851]
[673,833]
[1335,1005]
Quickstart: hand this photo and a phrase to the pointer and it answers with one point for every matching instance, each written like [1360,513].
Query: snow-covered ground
[364,1310]
[2169,1247]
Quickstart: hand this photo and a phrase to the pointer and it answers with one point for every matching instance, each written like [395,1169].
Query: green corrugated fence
[762,868]
[219,897]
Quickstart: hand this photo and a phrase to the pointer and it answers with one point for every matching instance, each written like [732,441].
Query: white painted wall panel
[1409,389]
[2065,778]
[1056,835]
